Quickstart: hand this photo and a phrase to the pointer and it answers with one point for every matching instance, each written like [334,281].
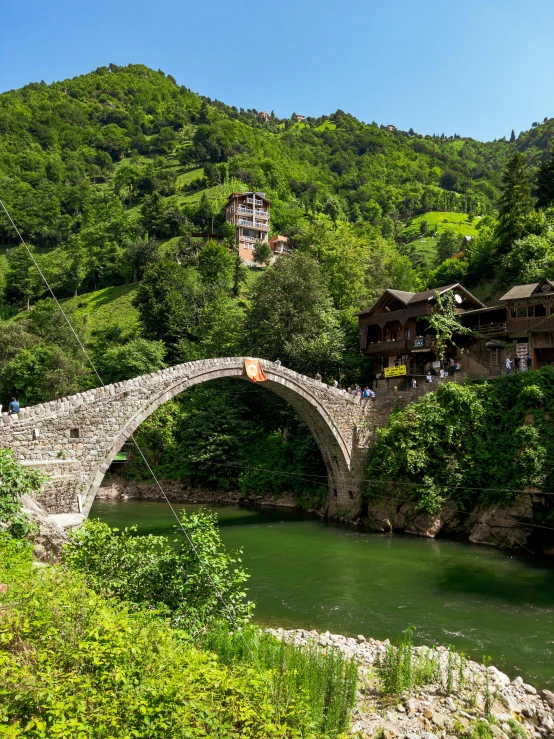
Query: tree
[215,265]
[139,255]
[124,361]
[448,244]
[169,300]
[513,137]
[23,282]
[262,253]
[292,316]
[423,227]
[516,203]
[445,323]
[545,183]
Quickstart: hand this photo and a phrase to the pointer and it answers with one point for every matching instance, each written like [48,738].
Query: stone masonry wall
[75,439]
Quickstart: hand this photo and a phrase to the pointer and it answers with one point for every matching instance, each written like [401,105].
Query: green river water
[306,573]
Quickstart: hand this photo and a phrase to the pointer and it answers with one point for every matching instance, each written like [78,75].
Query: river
[306,573]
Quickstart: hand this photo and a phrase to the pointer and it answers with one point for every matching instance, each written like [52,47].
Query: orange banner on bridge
[254,370]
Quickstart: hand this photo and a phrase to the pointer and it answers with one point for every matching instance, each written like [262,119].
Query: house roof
[250,193]
[409,298]
[277,237]
[526,291]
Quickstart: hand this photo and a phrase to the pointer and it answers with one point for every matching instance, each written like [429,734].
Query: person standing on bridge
[277,362]
[14,408]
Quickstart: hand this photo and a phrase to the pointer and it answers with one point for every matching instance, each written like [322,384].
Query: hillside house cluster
[249,213]
[394,331]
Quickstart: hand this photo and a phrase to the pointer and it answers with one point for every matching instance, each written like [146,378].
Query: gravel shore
[465,695]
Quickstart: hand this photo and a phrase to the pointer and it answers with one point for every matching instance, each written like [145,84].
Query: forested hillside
[109,176]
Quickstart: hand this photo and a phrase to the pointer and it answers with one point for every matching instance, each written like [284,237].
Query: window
[512,313]
[521,311]
[407,333]
[530,311]
[540,310]
[73,433]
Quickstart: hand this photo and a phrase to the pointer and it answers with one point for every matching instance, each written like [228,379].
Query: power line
[206,570]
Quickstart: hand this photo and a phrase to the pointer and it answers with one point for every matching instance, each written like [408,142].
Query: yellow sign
[395,371]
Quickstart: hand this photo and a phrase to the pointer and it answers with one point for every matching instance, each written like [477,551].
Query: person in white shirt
[508,365]
[429,377]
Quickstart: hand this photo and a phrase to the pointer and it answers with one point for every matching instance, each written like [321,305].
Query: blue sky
[477,68]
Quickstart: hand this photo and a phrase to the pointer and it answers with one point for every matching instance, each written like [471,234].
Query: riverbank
[462,697]
[178,491]
[508,527]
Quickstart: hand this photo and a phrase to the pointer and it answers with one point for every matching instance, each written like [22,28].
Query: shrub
[192,587]
[75,665]
[15,481]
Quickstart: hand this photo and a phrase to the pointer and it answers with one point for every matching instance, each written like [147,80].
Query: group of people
[519,364]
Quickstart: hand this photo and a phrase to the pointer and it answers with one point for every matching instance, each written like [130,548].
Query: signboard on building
[395,371]
[419,343]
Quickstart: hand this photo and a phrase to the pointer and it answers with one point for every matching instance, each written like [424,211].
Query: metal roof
[526,291]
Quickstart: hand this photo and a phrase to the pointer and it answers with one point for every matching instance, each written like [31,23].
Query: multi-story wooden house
[249,214]
[394,330]
[521,326]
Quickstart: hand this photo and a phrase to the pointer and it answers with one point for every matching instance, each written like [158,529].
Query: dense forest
[110,175]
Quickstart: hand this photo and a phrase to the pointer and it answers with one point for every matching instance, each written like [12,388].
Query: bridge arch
[83,433]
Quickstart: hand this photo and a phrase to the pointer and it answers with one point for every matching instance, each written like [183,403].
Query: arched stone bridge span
[75,439]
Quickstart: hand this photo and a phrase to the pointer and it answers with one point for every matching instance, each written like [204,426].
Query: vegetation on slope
[137,636]
[478,443]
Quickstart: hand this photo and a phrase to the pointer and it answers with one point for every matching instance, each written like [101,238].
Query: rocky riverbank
[501,526]
[116,488]
[463,698]
[508,527]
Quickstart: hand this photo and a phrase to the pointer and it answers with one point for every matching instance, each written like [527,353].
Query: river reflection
[312,574]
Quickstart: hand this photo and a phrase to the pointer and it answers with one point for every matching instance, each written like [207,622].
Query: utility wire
[387,497]
[205,569]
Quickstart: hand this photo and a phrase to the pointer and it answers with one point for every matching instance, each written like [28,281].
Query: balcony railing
[263,226]
[244,222]
[262,213]
[254,202]
[385,346]
[242,209]
[492,329]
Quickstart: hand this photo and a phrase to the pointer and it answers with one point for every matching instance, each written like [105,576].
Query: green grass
[423,249]
[185,178]
[108,307]
[326,125]
[458,222]
[327,680]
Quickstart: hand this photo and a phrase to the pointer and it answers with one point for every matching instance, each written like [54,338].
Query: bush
[15,481]
[495,434]
[75,665]
[193,588]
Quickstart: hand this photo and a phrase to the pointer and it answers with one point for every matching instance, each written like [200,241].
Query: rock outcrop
[502,526]
[51,530]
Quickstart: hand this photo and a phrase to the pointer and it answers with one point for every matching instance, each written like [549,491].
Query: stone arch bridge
[75,439]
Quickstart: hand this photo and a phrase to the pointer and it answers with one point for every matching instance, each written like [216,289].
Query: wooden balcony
[492,329]
[382,347]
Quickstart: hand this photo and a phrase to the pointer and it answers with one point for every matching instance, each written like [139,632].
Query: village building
[249,212]
[394,331]
[279,245]
[521,326]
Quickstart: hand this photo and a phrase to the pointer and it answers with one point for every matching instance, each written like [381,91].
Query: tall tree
[292,316]
[545,183]
[516,203]
[513,137]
